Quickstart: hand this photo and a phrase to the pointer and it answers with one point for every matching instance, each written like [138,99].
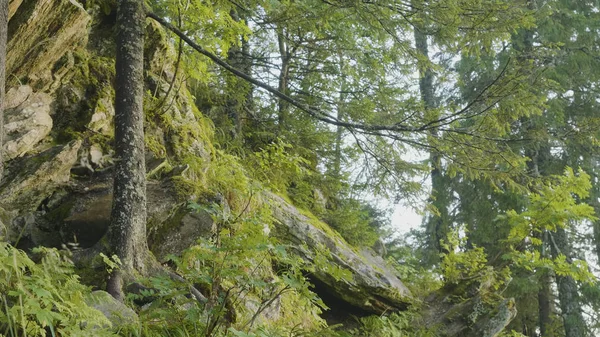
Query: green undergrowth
[44,298]
[246,295]
[253,287]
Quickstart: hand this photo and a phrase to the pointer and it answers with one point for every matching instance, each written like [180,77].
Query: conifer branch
[388,131]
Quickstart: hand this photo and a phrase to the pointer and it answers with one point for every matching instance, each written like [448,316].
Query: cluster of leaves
[277,167]
[554,206]
[243,271]
[469,268]
[395,325]
[45,298]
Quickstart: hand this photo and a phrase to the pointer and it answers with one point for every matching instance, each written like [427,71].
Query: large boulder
[116,312]
[476,316]
[81,212]
[179,231]
[374,288]
[27,183]
[30,180]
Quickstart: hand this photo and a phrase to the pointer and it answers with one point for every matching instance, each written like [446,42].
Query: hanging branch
[388,131]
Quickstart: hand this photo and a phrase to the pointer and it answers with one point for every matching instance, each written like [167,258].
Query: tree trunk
[538,151]
[3,39]
[127,232]
[339,132]
[567,290]
[437,224]
[239,92]
[546,308]
[593,200]
[284,52]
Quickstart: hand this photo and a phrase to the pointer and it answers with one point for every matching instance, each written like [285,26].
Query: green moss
[158,231]
[322,226]
[91,80]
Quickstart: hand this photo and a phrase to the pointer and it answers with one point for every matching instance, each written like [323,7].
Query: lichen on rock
[31,179]
[373,288]
[41,32]
[27,120]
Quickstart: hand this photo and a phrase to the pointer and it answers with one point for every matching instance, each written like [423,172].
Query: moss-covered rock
[30,180]
[373,287]
[178,232]
[40,33]
[117,313]
[476,316]
[80,213]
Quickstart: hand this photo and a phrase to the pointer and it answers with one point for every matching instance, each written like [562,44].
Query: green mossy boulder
[374,288]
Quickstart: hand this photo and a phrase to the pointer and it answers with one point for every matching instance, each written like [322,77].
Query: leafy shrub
[45,298]
[277,167]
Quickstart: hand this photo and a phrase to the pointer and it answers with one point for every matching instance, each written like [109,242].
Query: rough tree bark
[127,232]
[538,151]
[546,310]
[3,40]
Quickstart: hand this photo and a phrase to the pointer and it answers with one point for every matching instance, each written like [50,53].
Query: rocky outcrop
[30,180]
[374,288]
[27,120]
[56,194]
[80,212]
[179,232]
[40,33]
[467,317]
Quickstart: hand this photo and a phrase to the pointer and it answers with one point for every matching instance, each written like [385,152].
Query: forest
[224,168]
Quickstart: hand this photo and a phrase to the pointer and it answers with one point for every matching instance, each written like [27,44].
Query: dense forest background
[486,109]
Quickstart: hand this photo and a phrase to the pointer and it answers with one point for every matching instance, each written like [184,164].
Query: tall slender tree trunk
[437,224]
[237,104]
[3,40]
[539,153]
[568,290]
[546,308]
[595,194]
[127,232]
[339,132]
[283,106]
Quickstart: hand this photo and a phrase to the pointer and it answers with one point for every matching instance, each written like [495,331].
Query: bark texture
[127,232]
[3,39]
[341,109]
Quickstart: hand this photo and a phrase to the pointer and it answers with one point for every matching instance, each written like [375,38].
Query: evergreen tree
[127,231]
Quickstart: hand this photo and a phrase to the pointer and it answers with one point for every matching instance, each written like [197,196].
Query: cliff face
[59,128]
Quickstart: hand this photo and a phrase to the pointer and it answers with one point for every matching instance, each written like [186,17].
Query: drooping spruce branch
[389,131]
